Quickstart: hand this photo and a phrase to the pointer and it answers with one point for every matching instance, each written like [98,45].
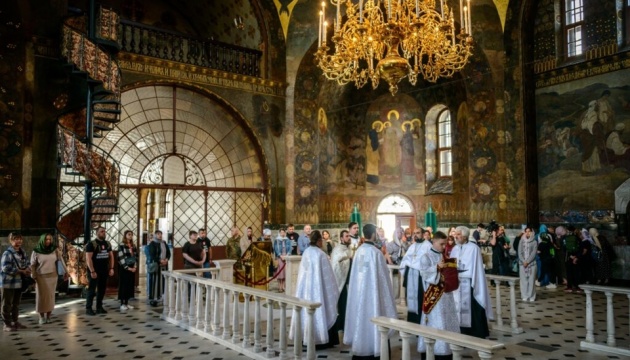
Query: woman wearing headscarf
[603,270]
[127,261]
[527,271]
[44,271]
[585,258]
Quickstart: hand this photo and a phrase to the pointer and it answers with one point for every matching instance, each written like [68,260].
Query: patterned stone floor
[554,326]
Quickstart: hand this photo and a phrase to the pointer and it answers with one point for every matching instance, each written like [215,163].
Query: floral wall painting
[583,144]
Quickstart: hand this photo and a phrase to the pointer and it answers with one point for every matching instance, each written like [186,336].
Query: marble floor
[553,328]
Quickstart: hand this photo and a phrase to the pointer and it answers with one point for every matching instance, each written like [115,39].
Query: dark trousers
[10,305]
[573,275]
[96,286]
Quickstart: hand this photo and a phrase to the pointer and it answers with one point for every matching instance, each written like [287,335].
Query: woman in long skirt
[127,261]
[44,270]
[527,271]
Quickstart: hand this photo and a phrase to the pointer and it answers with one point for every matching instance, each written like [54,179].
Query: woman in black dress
[127,261]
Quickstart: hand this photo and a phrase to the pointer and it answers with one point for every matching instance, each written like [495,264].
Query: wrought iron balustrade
[163,44]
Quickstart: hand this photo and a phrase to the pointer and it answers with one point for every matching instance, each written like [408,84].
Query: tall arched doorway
[394,211]
[187,161]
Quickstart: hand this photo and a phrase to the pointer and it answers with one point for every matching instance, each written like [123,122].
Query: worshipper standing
[207,245]
[303,240]
[355,240]
[127,260]
[44,271]
[585,258]
[99,258]
[316,283]
[527,273]
[293,236]
[328,242]
[281,248]
[14,267]
[412,279]
[438,307]
[603,270]
[341,259]
[571,244]
[233,249]
[158,255]
[370,294]
[472,299]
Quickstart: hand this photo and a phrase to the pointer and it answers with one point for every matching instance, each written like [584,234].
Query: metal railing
[146,40]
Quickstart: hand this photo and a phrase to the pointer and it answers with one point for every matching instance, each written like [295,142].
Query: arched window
[573,19]
[445,138]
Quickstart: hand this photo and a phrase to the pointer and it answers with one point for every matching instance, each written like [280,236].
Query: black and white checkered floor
[554,326]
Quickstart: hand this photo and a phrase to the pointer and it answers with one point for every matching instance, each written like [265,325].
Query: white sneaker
[537,283]
[42,321]
[124,308]
[551,286]
[130,307]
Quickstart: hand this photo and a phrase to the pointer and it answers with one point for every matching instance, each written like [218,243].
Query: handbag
[130,261]
[27,280]
[152,267]
[60,270]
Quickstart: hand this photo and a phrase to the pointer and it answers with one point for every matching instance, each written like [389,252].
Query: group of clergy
[446,293]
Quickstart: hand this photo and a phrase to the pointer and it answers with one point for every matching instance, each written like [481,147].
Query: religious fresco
[583,142]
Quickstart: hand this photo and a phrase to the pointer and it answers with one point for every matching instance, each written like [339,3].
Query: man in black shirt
[207,246]
[293,236]
[100,263]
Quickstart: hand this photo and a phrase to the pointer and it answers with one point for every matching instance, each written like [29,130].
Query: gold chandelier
[368,45]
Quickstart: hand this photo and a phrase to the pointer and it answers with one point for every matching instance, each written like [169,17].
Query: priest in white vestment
[370,295]
[341,261]
[440,308]
[316,283]
[473,302]
[412,279]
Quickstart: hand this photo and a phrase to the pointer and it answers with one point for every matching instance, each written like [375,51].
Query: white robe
[412,260]
[370,294]
[316,283]
[442,316]
[340,259]
[473,275]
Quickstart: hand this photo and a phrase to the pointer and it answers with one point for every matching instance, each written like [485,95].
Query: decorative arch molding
[161,118]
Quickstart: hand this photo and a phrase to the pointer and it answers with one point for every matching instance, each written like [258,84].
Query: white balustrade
[512,281]
[292,268]
[590,343]
[457,341]
[213,319]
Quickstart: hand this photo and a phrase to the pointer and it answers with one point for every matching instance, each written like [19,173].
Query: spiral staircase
[89,43]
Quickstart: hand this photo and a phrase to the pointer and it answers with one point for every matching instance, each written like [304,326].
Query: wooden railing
[146,40]
[186,306]
[458,342]
[610,345]
[511,280]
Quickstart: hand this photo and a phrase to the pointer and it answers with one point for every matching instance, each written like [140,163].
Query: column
[270,351]
[291,272]
[430,346]
[192,298]
[236,335]
[406,354]
[513,314]
[257,330]
[178,300]
[484,355]
[246,332]
[310,340]
[200,307]
[384,339]
[226,314]
[457,351]
[498,307]
[610,319]
[167,293]
[283,330]
[226,269]
[297,336]
[184,301]
[589,316]
[207,326]
[216,329]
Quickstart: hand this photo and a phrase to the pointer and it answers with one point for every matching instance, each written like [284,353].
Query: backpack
[571,243]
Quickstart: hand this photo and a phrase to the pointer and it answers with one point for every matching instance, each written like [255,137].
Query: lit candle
[418,8]
[360,11]
[452,27]
[461,14]
[319,29]
[324,34]
[469,18]
[338,20]
[465,25]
